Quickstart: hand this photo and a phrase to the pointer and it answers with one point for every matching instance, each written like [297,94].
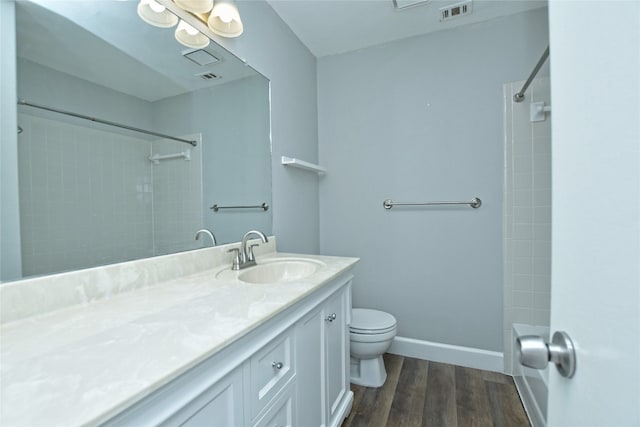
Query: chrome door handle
[535,353]
[277,365]
[331,317]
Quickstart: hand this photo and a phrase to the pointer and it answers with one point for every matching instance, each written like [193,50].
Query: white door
[595,93]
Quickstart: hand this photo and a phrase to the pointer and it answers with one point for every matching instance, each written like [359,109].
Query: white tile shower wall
[527,212]
[177,201]
[73,177]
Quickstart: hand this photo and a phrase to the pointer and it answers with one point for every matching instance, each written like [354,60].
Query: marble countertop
[82,364]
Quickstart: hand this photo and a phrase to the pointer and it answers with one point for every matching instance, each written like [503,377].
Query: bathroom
[415,119]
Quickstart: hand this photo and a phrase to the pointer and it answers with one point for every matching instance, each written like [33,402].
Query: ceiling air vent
[456,10]
[200,57]
[209,76]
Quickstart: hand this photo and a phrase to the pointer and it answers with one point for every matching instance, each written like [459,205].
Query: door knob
[535,353]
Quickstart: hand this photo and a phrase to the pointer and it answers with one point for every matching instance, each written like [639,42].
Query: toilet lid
[364,319]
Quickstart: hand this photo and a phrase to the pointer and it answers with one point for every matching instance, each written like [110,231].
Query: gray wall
[45,86]
[271,48]
[415,120]
[234,121]
[10,262]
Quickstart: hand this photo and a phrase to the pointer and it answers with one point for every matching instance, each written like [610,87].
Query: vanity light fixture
[224,19]
[190,37]
[155,14]
[195,6]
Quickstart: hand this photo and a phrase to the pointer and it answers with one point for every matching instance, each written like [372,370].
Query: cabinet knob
[277,365]
[331,317]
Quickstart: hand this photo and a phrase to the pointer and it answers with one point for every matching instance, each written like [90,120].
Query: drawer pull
[331,317]
[277,365]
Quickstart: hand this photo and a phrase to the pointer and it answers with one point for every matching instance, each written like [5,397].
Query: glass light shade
[224,19]
[195,6]
[155,14]
[190,37]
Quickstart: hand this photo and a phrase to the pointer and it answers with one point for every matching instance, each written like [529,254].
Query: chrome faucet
[208,233]
[244,256]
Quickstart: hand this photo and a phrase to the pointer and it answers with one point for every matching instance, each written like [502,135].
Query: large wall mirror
[92,193]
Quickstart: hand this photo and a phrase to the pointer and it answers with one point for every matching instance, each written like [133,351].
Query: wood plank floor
[422,393]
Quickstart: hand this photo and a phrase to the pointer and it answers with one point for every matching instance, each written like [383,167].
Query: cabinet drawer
[282,413]
[271,368]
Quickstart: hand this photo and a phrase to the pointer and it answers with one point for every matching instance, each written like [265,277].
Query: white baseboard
[447,353]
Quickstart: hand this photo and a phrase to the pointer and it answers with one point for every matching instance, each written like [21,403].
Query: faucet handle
[236,258]
[250,255]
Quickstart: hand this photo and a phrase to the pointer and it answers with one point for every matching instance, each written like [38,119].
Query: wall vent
[209,76]
[456,10]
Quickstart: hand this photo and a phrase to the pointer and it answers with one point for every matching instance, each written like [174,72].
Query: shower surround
[73,177]
[527,212]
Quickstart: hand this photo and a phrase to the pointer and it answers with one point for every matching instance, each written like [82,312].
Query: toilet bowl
[370,333]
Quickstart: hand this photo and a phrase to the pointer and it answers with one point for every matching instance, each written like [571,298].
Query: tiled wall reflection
[177,204]
[527,212]
[85,196]
[92,197]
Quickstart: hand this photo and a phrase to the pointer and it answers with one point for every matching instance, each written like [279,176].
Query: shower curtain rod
[106,122]
[519,97]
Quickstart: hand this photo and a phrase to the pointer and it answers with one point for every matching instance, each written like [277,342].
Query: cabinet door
[336,318]
[310,374]
[219,406]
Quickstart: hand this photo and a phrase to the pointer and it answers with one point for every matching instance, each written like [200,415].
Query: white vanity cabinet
[290,371]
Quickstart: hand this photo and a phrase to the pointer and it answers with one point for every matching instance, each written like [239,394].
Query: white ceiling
[329,27]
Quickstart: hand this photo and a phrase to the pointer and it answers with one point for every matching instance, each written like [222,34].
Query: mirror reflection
[93,193]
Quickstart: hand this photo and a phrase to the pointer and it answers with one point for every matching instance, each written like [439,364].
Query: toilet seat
[365,321]
[371,331]
[373,337]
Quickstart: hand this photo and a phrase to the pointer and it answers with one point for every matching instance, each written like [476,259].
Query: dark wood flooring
[422,393]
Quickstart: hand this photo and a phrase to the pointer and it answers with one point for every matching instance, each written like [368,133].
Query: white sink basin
[280,270]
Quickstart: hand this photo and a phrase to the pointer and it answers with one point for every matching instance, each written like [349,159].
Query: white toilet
[371,333]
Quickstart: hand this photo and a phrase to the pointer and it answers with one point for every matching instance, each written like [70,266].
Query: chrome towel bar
[263,206]
[474,203]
